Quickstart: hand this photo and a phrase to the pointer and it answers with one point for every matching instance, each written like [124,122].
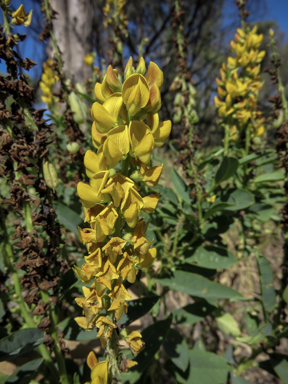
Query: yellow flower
[19,17]
[89,58]
[136,93]
[99,374]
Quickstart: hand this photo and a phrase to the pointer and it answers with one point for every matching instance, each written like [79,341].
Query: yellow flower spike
[141,67]
[82,322]
[231,88]
[100,288]
[114,248]
[105,90]
[232,62]
[127,268]
[88,195]
[93,163]
[153,121]
[94,258]
[129,70]
[97,182]
[131,196]
[154,102]
[100,323]
[112,153]
[120,136]
[124,181]
[105,222]
[131,214]
[19,17]
[112,80]
[90,270]
[116,191]
[222,75]
[241,33]
[154,75]
[89,58]
[142,141]
[239,49]
[221,92]
[152,175]
[80,273]
[219,82]
[99,374]
[135,93]
[107,274]
[218,103]
[138,237]
[233,45]
[260,56]
[98,93]
[92,213]
[260,131]
[150,202]
[86,235]
[119,292]
[146,260]
[161,133]
[106,115]
[135,342]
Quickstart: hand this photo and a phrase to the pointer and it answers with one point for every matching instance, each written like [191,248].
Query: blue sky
[269,10]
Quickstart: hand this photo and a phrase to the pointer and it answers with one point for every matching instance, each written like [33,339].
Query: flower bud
[73,147]
[50,175]
[78,107]
[278,122]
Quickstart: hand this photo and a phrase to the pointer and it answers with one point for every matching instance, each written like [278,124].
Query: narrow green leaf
[216,207]
[274,176]
[227,169]
[242,198]
[212,257]
[259,336]
[207,368]
[70,219]
[25,373]
[228,324]
[192,313]
[177,349]
[279,363]
[198,286]
[20,342]
[137,309]
[180,186]
[239,380]
[266,281]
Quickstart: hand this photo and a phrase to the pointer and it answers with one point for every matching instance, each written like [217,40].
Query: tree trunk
[73,31]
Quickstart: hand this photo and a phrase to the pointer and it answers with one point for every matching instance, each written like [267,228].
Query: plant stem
[226,139]
[57,349]
[6,23]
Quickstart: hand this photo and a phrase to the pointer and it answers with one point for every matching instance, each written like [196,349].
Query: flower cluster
[239,84]
[48,79]
[19,17]
[109,13]
[116,243]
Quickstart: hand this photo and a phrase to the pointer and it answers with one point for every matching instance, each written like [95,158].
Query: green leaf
[167,193]
[238,380]
[192,313]
[196,285]
[212,257]
[279,363]
[20,342]
[72,331]
[153,336]
[228,325]
[258,337]
[266,281]
[137,309]
[207,368]
[70,219]
[3,378]
[263,211]
[227,168]
[251,157]
[25,373]
[216,207]
[180,186]
[177,349]
[240,199]
[274,176]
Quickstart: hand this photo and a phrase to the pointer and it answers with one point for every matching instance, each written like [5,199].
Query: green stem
[56,347]
[226,139]
[247,140]
[6,23]
[28,216]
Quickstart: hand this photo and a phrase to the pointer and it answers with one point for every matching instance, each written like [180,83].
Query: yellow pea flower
[106,115]
[135,93]
[19,17]
[141,140]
